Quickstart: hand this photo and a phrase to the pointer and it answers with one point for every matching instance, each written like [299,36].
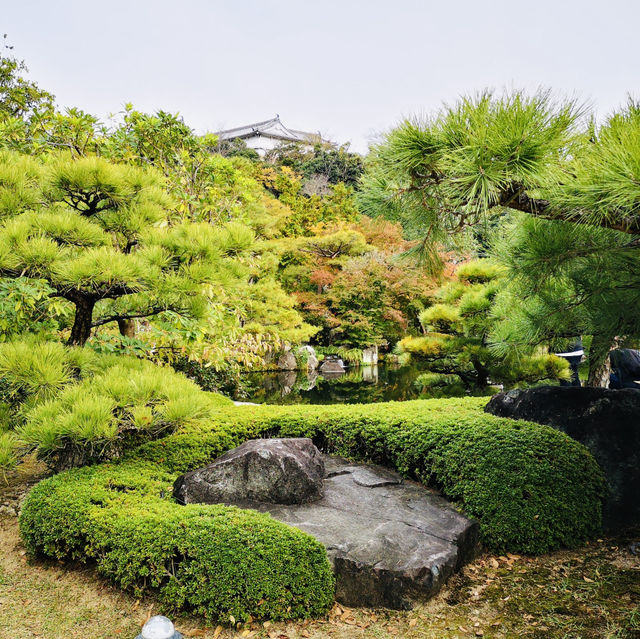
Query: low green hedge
[217,561]
[532,488]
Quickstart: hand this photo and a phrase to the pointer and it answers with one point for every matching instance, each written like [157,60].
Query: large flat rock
[390,541]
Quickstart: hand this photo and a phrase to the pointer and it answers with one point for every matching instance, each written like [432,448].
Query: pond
[381,383]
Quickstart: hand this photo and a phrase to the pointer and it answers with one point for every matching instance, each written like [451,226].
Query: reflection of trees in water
[355,386]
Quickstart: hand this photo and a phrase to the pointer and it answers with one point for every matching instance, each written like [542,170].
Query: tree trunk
[81,330]
[599,362]
[127,327]
[482,372]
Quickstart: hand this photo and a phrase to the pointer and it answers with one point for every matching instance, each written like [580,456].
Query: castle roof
[272,128]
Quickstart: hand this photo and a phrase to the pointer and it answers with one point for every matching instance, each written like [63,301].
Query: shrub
[75,406]
[217,561]
[100,417]
[532,488]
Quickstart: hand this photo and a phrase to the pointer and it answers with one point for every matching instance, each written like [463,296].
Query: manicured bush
[532,488]
[217,561]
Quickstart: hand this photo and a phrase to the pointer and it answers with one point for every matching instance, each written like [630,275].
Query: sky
[350,69]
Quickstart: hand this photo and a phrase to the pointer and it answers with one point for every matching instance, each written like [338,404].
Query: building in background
[262,137]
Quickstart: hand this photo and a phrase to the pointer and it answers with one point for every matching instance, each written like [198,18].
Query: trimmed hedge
[532,488]
[217,561]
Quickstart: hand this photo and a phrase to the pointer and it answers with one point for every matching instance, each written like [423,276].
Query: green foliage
[351,282]
[217,561]
[451,384]
[335,165]
[439,175]
[101,241]
[20,99]
[532,488]
[457,335]
[573,258]
[349,355]
[33,371]
[74,406]
[565,281]
[604,189]
[29,306]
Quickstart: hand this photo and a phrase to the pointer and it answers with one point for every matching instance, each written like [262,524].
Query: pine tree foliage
[566,280]
[457,329]
[98,233]
[528,153]
[73,406]
[573,258]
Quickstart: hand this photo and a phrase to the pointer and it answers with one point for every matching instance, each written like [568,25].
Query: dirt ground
[593,592]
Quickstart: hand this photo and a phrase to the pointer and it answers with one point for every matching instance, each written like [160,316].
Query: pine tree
[457,328]
[485,155]
[99,235]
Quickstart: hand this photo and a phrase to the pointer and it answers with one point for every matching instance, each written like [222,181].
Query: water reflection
[355,386]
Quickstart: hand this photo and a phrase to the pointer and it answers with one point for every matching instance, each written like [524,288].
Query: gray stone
[390,541]
[370,356]
[287,361]
[282,471]
[308,352]
[332,367]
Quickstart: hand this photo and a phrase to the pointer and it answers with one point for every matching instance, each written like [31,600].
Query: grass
[593,592]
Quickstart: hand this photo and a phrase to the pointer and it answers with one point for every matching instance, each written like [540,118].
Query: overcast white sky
[348,68]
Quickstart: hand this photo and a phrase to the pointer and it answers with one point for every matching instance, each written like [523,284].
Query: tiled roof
[269,128]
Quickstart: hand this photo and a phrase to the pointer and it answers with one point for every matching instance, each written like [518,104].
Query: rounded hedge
[218,561]
[532,488]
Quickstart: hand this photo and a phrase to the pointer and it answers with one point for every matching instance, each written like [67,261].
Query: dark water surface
[382,383]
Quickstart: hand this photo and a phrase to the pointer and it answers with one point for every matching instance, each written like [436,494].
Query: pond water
[382,383]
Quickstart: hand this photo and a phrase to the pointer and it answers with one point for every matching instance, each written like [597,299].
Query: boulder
[308,353]
[605,421]
[332,366]
[391,542]
[281,471]
[370,356]
[287,362]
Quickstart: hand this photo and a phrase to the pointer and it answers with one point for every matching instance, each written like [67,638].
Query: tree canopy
[572,258]
[98,234]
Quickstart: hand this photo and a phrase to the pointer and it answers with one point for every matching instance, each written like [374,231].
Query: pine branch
[114,318]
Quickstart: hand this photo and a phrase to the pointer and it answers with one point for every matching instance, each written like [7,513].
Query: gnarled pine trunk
[127,327]
[81,329]
[599,362]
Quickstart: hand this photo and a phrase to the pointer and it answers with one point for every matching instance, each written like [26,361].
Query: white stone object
[159,627]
